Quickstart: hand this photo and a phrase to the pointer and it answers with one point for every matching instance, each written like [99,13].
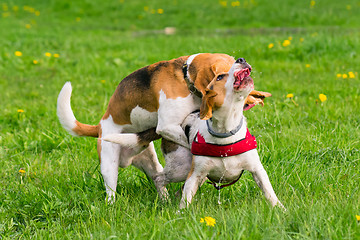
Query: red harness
[201,148]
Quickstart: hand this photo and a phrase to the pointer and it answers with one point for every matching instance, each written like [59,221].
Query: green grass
[309,148]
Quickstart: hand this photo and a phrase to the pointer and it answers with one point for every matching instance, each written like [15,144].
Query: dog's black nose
[241,60]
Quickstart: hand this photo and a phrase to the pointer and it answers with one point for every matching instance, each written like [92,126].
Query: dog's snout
[243,63]
[241,60]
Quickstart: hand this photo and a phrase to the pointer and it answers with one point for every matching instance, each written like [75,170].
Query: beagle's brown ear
[255,98]
[207,104]
[259,94]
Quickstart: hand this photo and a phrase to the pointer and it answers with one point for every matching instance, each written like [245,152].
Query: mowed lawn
[306,53]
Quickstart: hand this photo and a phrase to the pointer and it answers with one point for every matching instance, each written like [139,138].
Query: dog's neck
[229,115]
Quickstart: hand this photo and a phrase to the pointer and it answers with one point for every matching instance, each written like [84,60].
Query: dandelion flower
[290,95]
[307,65]
[348,7]
[344,76]
[18,53]
[15,8]
[312,3]
[223,3]
[146,8]
[78,19]
[351,75]
[160,11]
[28,26]
[357,217]
[286,43]
[339,75]
[301,39]
[21,171]
[209,221]
[35,62]
[56,55]
[271,45]
[20,111]
[102,81]
[322,97]
[37,13]
[48,54]
[290,38]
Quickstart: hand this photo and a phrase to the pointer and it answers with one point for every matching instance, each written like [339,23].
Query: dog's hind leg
[109,164]
[148,162]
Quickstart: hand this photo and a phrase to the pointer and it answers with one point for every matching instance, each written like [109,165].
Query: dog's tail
[67,118]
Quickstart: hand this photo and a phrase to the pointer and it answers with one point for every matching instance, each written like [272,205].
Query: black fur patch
[140,78]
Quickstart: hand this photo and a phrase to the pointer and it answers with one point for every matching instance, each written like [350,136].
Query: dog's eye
[220,77]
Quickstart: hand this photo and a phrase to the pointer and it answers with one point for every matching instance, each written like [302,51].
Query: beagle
[221,145]
[157,96]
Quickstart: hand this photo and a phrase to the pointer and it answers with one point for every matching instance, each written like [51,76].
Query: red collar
[200,147]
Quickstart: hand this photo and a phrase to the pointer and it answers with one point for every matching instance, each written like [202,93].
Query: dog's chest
[227,169]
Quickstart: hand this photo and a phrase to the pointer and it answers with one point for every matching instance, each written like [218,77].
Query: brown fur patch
[148,136]
[168,146]
[86,130]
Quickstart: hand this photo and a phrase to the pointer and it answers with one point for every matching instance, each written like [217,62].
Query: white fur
[114,156]
[226,169]
[171,114]
[64,111]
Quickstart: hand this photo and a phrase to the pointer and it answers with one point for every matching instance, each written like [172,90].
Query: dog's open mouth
[242,78]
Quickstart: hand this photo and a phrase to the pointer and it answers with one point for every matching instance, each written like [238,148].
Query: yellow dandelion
[235,4]
[102,81]
[28,26]
[56,55]
[357,217]
[35,62]
[290,95]
[344,76]
[322,97]
[160,11]
[271,45]
[5,7]
[37,13]
[223,3]
[78,19]
[339,75]
[312,3]
[22,171]
[47,54]
[307,65]
[20,110]
[209,221]
[301,39]
[146,8]
[351,75]
[348,7]
[18,53]
[15,8]
[286,43]
[290,38]
[152,11]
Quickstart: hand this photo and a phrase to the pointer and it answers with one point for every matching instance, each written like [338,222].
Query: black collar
[189,83]
[226,134]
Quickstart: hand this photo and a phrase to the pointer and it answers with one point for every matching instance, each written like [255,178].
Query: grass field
[50,182]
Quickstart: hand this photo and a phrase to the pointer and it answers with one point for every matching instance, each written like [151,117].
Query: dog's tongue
[240,75]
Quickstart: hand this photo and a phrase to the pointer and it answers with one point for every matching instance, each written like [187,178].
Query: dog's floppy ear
[254,98]
[207,104]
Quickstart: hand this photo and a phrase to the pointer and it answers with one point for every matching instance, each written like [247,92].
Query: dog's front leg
[171,114]
[196,178]
[262,180]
